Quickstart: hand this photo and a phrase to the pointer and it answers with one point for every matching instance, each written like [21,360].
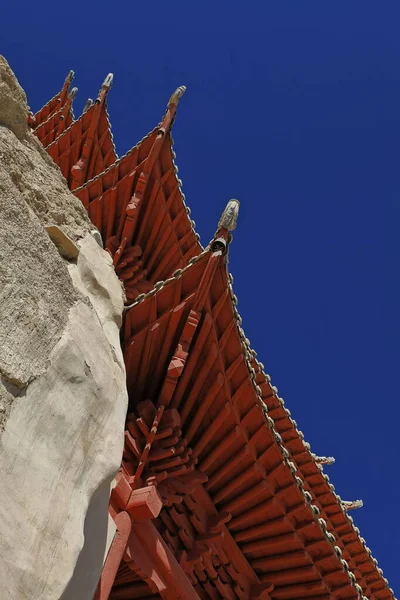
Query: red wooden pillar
[138,542]
[114,556]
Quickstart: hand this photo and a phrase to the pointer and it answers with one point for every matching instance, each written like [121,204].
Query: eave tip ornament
[352,504]
[177,95]
[70,77]
[107,83]
[72,93]
[88,104]
[230,215]
[105,87]
[323,460]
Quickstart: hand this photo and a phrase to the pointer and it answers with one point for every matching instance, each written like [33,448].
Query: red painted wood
[114,557]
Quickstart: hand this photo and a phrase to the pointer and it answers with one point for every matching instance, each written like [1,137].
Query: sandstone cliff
[62,379]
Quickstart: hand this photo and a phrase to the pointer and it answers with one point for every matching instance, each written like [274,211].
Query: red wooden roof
[223,432]
[138,206]
[57,122]
[86,148]
[215,473]
[164,228]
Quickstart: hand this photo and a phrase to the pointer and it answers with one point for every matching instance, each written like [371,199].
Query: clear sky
[294,108]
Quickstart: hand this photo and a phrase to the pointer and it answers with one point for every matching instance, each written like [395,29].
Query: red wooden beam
[149,556]
[114,557]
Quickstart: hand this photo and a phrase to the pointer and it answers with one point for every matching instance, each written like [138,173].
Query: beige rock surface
[31,170]
[62,380]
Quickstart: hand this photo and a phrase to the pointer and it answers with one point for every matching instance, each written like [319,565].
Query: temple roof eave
[136,175]
[289,423]
[75,122]
[307,474]
[297,481]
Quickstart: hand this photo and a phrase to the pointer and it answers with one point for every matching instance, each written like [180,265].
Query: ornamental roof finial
[177,95]
[73,93]
[323,460]
[107,83]
[230,215]
[105,87]
[351,504]
[226,224]
[88,104]
[70,77]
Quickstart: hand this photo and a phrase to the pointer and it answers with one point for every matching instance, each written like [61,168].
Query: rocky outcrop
[62,380]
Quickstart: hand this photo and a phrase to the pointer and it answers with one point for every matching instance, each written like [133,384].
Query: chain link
[250,356]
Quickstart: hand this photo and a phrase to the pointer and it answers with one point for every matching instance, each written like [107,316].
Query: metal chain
[249,355]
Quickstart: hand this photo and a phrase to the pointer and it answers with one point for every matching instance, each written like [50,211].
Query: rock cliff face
[62,380]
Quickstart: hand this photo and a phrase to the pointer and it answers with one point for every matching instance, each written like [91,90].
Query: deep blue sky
[294,108]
